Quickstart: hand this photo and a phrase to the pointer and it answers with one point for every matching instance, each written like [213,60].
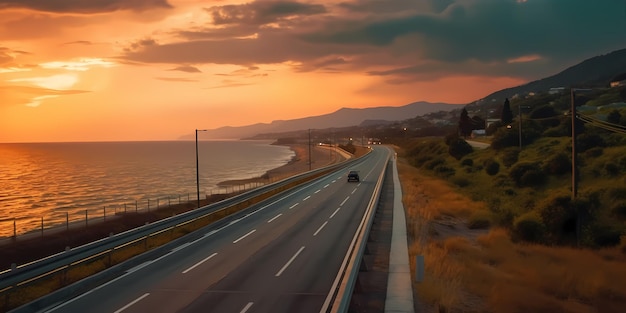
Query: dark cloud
[262,12]
[85,6]
[409,40]
[187,68]
[392,6]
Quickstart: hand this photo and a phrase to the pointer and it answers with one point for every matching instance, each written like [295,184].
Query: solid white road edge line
[289,262]
[197,264]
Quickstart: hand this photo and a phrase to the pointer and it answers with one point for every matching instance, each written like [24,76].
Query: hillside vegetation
[501,230]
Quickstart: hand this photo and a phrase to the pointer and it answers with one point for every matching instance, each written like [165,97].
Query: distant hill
[598,71]
[344,117]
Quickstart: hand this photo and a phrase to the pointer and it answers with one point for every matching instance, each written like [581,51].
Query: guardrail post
[86,220]
[67,221]
[104,210]
[14,229]
[42,227]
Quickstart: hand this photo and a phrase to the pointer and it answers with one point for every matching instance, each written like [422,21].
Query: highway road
[281,255]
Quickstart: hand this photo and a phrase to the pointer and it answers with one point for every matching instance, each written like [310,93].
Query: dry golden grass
[466,272]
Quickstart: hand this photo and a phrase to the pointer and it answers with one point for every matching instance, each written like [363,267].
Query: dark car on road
[353,176]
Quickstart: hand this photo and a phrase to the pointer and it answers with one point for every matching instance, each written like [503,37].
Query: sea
[51,183]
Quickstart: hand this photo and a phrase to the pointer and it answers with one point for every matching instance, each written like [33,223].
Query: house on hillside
[556,90]
[619,80]
[618,83]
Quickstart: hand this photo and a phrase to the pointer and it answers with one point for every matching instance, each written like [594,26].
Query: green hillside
[529,190]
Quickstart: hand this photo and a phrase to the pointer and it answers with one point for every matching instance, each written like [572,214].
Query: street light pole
[197,168]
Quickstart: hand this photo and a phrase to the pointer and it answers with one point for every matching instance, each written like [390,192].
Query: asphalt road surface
[281,256]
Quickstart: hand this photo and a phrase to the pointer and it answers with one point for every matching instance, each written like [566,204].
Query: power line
[616,128]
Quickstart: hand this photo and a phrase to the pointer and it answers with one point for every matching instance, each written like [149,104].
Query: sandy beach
[321,156]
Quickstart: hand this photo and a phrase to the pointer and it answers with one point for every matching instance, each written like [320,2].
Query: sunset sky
[108,70]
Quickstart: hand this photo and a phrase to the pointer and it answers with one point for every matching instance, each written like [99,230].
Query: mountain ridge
[343,117]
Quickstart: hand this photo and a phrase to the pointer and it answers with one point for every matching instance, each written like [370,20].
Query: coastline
[299,163]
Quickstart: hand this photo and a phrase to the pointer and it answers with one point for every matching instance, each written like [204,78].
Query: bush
[432,164]
[602,235]
[619,209]
[558,164]
[558,217]
[612,169]
[594,152]
[510,156]
[529,227]
[444,170]
[586,141]
[504,138]
[527,174]
[467,162]
[459,148]
[492,167]
[479,220]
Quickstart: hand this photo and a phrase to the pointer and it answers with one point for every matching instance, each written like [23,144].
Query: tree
[507,114]
[465,124]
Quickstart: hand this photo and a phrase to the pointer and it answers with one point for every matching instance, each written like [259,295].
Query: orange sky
[157,69]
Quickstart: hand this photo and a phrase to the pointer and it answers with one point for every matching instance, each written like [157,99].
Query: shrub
[594,152]
[619,209]
[586,141]
[602,235]
[526,174]
[467,162]
[612,169]
[492,167]
[444,170]
[510,156]
[558,164]
[430,165]
[459,148]
[558,216]
[479,220]
[528,227]
[503,138]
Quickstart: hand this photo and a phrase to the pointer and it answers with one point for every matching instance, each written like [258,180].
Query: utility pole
[575,175]
[310,149]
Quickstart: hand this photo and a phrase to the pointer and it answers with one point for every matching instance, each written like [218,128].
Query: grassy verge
[482,270]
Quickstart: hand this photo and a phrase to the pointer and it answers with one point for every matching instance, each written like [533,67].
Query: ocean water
[55,181]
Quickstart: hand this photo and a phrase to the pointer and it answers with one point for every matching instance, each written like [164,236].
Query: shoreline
[299,163]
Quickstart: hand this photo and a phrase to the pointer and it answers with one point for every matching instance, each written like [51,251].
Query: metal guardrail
[37,269]
[340,294]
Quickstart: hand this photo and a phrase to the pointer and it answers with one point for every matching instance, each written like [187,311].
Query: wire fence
[37,226]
